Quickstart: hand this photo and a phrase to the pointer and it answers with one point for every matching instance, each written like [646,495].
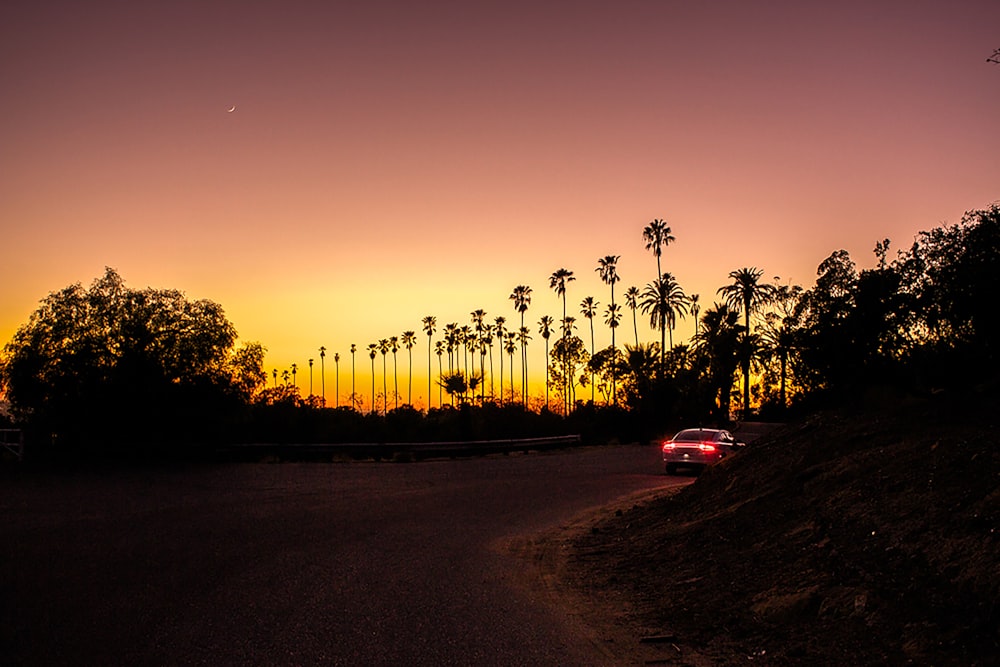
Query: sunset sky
[391,160]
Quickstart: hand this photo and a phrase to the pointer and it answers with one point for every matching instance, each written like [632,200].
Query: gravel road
[340,563]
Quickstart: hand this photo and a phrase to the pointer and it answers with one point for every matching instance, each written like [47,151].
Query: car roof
[698,432]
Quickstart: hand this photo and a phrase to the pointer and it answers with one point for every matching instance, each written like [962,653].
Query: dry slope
[865,537]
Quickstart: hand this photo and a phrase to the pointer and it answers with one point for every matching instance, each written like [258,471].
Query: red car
[697,447]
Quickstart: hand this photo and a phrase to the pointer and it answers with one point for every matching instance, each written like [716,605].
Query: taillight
[706,446]
[667,446]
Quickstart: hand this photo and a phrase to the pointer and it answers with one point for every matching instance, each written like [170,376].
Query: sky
[391,160]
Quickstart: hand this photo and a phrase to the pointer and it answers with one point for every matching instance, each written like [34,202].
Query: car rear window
[693,435]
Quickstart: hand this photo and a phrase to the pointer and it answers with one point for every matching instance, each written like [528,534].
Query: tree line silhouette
[117,366]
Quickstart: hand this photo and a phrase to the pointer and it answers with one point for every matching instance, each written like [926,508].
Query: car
[696,448]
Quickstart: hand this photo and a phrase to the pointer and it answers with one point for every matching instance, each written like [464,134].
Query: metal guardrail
[384,450]
[15,446]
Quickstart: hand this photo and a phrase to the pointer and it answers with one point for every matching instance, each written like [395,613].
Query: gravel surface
[338,563]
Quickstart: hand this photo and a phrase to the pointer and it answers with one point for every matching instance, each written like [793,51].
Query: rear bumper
[691,457]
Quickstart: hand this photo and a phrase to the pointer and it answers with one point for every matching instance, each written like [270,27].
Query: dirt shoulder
[863,538]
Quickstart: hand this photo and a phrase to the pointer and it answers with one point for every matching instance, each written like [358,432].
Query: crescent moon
[231,109]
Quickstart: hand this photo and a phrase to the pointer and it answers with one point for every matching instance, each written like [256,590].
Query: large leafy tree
[114,364]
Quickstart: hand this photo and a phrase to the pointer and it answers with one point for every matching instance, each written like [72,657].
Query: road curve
[339,564]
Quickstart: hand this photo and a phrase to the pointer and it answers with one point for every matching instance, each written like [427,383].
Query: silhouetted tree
[607,267]
[439,349]
[695,309]
[657,236]
[521,296]
[322,373]
[545,328]
[430,325]
[748,294]
[354,395]
[662,300]
[718,340]
[409,340]
[116,363]
[336,378]
[394,347]
[373,349]
[588,308]
[632,301]
[612,317]
[501,332]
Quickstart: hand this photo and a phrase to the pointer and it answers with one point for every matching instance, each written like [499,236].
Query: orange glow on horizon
[385,163]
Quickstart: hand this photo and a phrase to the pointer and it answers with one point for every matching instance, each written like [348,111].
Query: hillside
[864,537]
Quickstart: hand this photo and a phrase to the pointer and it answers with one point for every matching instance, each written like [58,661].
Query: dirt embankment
[861,538]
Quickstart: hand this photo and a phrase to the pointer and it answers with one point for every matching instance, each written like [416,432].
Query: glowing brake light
[706,446]
[668,446]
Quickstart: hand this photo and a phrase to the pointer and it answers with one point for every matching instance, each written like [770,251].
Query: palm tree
[322,374]
[275,371]
[310,377]
[695,309]
[588,308]
[780,331]
[607,268]
[394,346]
[354,348]
[748,294]
[557,282]
[719,339]
[466,342]
[383,348]
[284,377]
[523,336]
[632,301]
[336,380]
[521,296]
[485,344]
[498,327]
[430,323]
[450,336]
[657,237]
[478,318]
[488,347]
[295,369]
[677,304]
[663,299]
[373,349]
[612,316]
[509,346]
[409,340]
[545,328]
[439,349]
